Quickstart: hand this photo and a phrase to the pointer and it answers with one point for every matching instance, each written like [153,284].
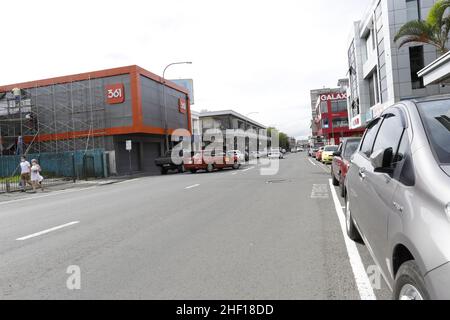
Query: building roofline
[133,69]
[441,61]
[231,112]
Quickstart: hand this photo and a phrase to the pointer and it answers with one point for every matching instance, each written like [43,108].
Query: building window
[339,106]
[340,122]
[324,107]
[413,10]
[417,63]
[373,89]
[325,124]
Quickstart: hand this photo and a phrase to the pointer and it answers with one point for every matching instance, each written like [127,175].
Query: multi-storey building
[380,72]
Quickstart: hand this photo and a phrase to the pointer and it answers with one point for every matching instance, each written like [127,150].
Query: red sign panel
[182,105]
[115,93]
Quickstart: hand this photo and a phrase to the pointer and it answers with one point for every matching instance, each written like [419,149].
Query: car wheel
[350,227]
[163,171]
[210,168]
[236,166]
[335,181]
[409,283]
[181,169]
[193,171]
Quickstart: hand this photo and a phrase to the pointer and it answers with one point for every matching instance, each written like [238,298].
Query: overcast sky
[249,56]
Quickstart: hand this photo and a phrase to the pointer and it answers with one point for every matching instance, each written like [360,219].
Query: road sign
[128,145]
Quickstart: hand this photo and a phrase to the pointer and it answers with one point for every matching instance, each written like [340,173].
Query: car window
[331,148]
[402,163]
[436,119]
[350,148]
[369,137]
[390,132]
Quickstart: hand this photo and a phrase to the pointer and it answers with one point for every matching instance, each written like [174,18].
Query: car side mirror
[381,160]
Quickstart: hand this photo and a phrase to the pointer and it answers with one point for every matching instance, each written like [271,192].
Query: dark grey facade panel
[153,105]
[79,105]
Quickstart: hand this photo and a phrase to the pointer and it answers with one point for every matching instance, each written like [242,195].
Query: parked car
[341,162]
[211,161]
[300,150]
[166,163]
[319,154]
[312,152]
[275,154]
[327,154]
[398,197]
[237,153]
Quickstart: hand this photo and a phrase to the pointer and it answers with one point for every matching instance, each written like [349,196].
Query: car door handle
[362,173]
[398,207]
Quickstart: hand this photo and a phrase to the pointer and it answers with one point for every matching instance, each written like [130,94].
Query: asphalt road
[225,235]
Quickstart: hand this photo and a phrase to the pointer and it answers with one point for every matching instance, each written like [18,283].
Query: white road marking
[248,169]
[128,181]
[362,280]
[46,195]
[320,191]
[315,165]
[234,173]
[192,187]
[34,235]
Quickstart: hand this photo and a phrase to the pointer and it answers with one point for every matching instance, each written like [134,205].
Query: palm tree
[434,30]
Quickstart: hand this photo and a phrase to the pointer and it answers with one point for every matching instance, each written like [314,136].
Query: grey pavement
[225,235]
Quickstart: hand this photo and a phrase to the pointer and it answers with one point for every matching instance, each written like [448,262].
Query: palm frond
[436,14]
[415,28]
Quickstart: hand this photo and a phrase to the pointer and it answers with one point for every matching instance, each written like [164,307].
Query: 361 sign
[182,105]
[115,93]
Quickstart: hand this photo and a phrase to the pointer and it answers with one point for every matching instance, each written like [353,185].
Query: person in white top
[36,178]
[25,170]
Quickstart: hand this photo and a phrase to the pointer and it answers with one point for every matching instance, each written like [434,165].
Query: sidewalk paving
[81,184]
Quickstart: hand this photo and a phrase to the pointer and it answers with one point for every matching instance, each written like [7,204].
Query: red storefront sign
[115,93]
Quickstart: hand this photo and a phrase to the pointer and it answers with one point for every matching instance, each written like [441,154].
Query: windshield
[436,120]
[331,148]
[351,148]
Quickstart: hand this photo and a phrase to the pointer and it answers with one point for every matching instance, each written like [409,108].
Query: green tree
[283,138]
[434,30]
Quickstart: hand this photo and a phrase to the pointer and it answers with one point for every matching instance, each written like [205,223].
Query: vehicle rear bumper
[438,283]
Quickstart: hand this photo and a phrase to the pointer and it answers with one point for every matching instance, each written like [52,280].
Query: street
[225,235]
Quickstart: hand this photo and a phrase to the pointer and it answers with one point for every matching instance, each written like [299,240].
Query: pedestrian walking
[36,178]
[25,174]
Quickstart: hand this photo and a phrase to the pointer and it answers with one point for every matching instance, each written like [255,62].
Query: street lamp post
[166,128]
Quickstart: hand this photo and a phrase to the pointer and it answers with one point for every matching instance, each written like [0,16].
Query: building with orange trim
[95,110]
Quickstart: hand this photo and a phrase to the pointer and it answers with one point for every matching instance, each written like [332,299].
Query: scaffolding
[53,119]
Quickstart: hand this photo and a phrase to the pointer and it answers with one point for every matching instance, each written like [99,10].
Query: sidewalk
[69,185]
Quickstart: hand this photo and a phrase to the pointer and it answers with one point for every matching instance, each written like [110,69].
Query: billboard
[188,84]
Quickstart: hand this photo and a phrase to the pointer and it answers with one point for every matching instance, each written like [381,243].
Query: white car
[237,153]
[275,154]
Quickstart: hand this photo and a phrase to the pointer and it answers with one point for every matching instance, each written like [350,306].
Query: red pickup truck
[210,161]
[341,162]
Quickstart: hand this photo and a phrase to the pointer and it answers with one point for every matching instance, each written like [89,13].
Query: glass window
[351,148]
[324,107]
[402,163]
[339,106]
[390,133]
[417,63]
[340,122]
[369,137]
[325,124]
[412,10]
[331,148]
[436,119]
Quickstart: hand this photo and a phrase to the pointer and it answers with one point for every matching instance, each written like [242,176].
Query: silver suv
[398,197]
